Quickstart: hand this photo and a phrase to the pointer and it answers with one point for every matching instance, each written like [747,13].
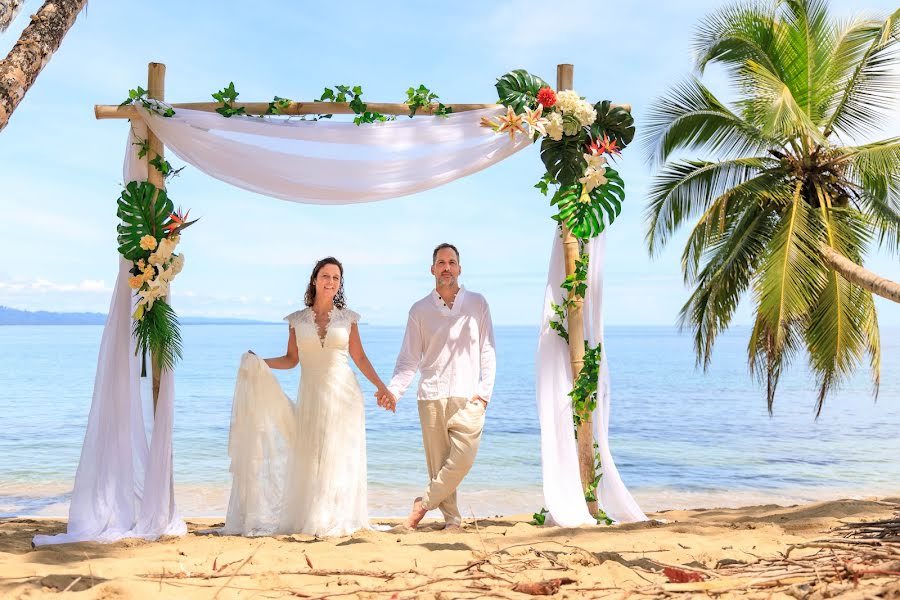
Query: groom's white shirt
[452,348]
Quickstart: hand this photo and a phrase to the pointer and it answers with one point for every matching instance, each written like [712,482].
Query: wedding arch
[124,485]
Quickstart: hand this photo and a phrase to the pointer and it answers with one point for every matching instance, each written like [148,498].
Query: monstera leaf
[519,89]
[616,123]
[564,159]
[141,216]
[588,219]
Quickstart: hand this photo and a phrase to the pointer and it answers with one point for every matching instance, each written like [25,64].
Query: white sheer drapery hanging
[563,492]
[123,488]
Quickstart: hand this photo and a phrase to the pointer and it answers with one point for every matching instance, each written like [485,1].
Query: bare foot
[416,514]
[452,527]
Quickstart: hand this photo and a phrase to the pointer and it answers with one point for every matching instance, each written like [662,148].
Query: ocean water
[680,437]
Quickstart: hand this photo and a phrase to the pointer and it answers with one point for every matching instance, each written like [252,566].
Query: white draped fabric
[324,162]
[553,380]
[123,488]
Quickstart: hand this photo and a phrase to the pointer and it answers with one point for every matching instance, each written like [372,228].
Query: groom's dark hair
[441,247]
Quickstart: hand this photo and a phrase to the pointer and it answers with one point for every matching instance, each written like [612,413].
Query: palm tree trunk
[860,276]
[35,47]
[8,11]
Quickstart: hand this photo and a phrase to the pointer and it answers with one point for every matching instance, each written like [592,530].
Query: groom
[450,340]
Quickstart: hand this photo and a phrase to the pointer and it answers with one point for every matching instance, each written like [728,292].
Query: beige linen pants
[451,432]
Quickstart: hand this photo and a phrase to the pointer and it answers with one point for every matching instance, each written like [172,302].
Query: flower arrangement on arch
[577,139]
[149,232]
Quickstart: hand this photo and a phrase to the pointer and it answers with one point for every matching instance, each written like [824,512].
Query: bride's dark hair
[310,296]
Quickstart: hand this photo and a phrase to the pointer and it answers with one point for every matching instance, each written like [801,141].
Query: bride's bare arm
[362,361]
[290,358]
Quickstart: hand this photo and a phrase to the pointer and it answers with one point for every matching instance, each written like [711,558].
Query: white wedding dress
[300,468]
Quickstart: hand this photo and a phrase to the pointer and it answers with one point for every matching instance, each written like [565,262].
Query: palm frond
[686,188]
[871,88]
[851,39]
[810,37]
[764,361]
[790,275]
[689,116]
[771,106]
[874,172]
[158,334]
[769,187]
[836,331]
[738,33]
[732,261]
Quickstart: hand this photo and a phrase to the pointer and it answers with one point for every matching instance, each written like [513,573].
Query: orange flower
[178,221]
[605,146]
[511,123]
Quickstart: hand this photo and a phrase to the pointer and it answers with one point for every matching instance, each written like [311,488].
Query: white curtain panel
[123,488]
[563,493]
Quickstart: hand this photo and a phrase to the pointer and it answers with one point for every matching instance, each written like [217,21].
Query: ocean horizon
[681,438]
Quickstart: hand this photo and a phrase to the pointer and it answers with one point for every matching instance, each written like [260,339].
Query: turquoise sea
[680,437]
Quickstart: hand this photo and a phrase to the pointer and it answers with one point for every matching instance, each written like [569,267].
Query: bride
[302,468]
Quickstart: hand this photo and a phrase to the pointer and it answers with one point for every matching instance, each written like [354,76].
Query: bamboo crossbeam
[105,111]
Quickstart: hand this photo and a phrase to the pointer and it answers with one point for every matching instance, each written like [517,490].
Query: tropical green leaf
[158,334]
[869,92]
[564,159]
[732,261]
[738,33]
[614,122]
[790,273]
[143,210]
[519,89]
[690,117]
[687,188]
[588,219]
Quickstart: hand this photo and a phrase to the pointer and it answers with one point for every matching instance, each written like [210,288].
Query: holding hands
[386,399]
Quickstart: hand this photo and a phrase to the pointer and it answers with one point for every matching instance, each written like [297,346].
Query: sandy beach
[685,553]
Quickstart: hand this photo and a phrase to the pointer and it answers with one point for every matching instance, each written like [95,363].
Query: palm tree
[41,38]
[785,205]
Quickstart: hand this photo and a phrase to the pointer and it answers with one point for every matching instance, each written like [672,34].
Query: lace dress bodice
[317,352]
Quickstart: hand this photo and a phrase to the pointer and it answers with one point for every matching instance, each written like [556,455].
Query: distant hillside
[12,316]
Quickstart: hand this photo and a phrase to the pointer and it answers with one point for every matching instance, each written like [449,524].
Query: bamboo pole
[575,324]
[156,88]
[103,111]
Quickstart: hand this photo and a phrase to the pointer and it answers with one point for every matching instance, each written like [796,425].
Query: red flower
[547,97]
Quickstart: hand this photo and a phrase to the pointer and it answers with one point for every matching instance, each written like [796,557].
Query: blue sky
[249,256]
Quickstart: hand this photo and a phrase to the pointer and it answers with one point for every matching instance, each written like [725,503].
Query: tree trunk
[860,276]
[34,49]
[8,11]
